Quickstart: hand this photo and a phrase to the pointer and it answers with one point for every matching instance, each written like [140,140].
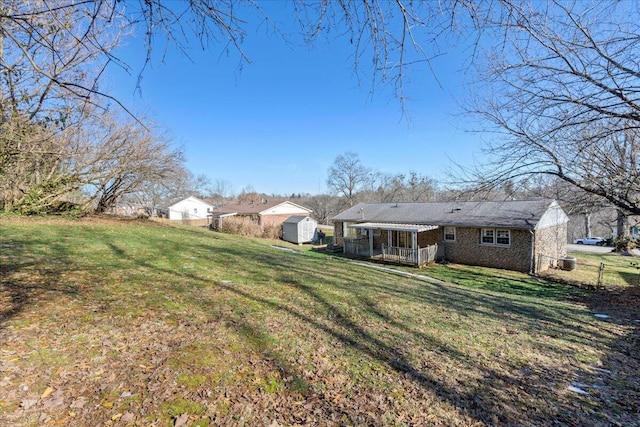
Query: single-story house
[266,213]
[124,208]
[191,211]
[299,229]
[529,236]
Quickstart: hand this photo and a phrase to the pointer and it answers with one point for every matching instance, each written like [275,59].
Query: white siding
[189,208]
[554,215]
[302,231]
[286,208]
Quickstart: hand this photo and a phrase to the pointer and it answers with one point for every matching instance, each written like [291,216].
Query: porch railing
[357,247]
[410,256]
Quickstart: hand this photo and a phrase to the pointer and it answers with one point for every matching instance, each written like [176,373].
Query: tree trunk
[623,225]
[587,224]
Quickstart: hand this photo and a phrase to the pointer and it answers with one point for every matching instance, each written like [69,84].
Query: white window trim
[495,237]
[508,236]
[444,232]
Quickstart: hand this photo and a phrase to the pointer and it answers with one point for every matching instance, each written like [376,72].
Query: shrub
[624,244]
[272,232]
[241,226]
[44,198]
[248,227]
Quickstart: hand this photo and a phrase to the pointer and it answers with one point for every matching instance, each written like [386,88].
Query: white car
[598,241]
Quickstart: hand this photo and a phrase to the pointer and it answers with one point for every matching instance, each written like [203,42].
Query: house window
[503,237]
[489,236]
[195,210]
[449,234]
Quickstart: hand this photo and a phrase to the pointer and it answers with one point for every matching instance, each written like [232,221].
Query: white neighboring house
[188,209]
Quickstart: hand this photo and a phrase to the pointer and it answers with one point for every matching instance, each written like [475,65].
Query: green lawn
[107,322]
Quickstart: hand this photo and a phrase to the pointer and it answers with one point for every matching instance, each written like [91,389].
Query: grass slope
[106,322]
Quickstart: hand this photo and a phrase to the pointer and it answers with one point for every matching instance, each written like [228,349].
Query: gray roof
[296,219]
[508,214]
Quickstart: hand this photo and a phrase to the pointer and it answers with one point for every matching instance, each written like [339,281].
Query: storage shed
[299,229]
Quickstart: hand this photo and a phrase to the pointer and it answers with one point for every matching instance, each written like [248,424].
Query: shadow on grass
[477,401]
[27,278]
[631,279]
[341,303]
[615,383]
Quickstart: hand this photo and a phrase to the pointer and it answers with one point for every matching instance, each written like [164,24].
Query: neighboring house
[299,229]
[191,211]
[529,236]
[634,221]
[130,209]
[265,213]
[634,227]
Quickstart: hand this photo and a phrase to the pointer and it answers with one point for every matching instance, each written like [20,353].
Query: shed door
[306,225]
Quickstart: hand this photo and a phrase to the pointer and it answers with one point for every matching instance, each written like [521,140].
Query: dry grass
[246,227]
[131,323]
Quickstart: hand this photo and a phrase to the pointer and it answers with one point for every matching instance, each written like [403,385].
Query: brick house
[528,236]
[265,213]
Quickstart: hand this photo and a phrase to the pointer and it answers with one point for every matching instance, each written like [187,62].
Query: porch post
[370,242]
[414,244]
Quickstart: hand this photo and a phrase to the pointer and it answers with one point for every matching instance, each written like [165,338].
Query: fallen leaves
[181,420]
[46,393]
[143,346]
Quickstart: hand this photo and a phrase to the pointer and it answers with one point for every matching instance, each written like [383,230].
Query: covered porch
[397,243]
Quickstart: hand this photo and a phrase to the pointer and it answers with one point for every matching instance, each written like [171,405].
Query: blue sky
[278,123]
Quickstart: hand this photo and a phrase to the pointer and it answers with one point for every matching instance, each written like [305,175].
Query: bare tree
[115,158]
[52,55]
[347,176]
[564,96]
[249,195]
[98,154]
[221,191]
[53,51]
[389,39]
[33,159]
[154,194]
[222,188]
[202,186]
[562,76]
[324,207]
[406,188]
[575,202]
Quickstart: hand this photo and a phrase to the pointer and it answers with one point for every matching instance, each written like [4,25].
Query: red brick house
[529,236]
[265,213]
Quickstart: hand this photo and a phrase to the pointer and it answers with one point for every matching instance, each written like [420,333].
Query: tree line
[555,83]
